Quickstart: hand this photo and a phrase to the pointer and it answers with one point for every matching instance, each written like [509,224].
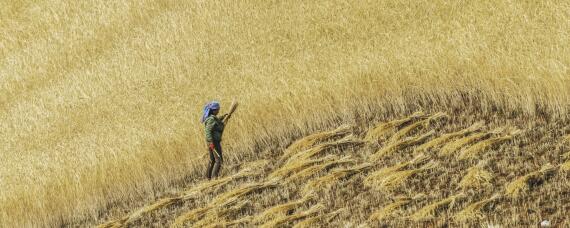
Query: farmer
[214,129]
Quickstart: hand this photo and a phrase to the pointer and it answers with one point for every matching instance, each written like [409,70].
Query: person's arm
[224,117]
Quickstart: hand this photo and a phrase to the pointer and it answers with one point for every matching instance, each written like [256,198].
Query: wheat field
[100,102]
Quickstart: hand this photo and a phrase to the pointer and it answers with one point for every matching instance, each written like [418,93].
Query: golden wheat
[395,146]
[389,209]
[383,172]
[318,220]
[281,209]
[348,141]
[100,100]
[476,177]
[416,125]
[518,187]
[473,210]
[394,179]
[334,175]
[384,128]
[429,211]
[303,214]
[452,147]
[475,149]
[317,168]
[447,137]
[311,140]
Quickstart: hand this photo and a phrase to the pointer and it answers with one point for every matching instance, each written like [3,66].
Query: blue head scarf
[213,105]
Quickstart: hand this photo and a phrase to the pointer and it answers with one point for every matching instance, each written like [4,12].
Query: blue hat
[213,105]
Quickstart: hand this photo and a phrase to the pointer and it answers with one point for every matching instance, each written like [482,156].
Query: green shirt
[214,129]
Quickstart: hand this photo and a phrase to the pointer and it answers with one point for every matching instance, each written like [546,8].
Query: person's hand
[211,146]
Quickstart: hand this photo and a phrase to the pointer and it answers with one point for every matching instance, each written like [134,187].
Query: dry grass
[318,220]
[474,150]
[100,100]
[395,146]
[314,139]
[477,177]
[429,211]
[381,130]
[281,210]
[565,166]
[333,176]
[436,142]
[317,168]
[383,172]
[190,216]
[473,211]
[453,147]
[347,142]
[519,186]
[315,209]
[250,169]
[297,166]
[391,209]
[394,179]
[424,123]
[344,196]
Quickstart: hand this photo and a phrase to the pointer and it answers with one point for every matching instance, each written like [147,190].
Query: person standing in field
[214,128]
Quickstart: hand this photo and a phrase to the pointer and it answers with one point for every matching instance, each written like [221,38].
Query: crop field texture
[340,177]
[446,112]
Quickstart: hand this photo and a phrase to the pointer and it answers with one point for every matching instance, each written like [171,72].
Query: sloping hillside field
[100,103]
[423,169]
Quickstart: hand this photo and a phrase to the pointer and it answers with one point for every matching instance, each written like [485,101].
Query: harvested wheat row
[311,140]
[160,204]
[315,209]
[320,220]
[382,129]
[293,167]
[476,177]
[334,175]
[390,148]
[392,209]
[429,211]
[473,211]
[234,194]
[517,187]
[237,222]
[222,201]
[452,147]
[445,138]
[280,210]
[190,216]
[309,222]
[399,135]
[217,215]
[113,224]
[420,158]
[397,178]
[317,168]
[475,149]
[249,169]
[346,142]
[388,210]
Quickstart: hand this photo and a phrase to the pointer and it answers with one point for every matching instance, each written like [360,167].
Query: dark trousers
[215,161]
